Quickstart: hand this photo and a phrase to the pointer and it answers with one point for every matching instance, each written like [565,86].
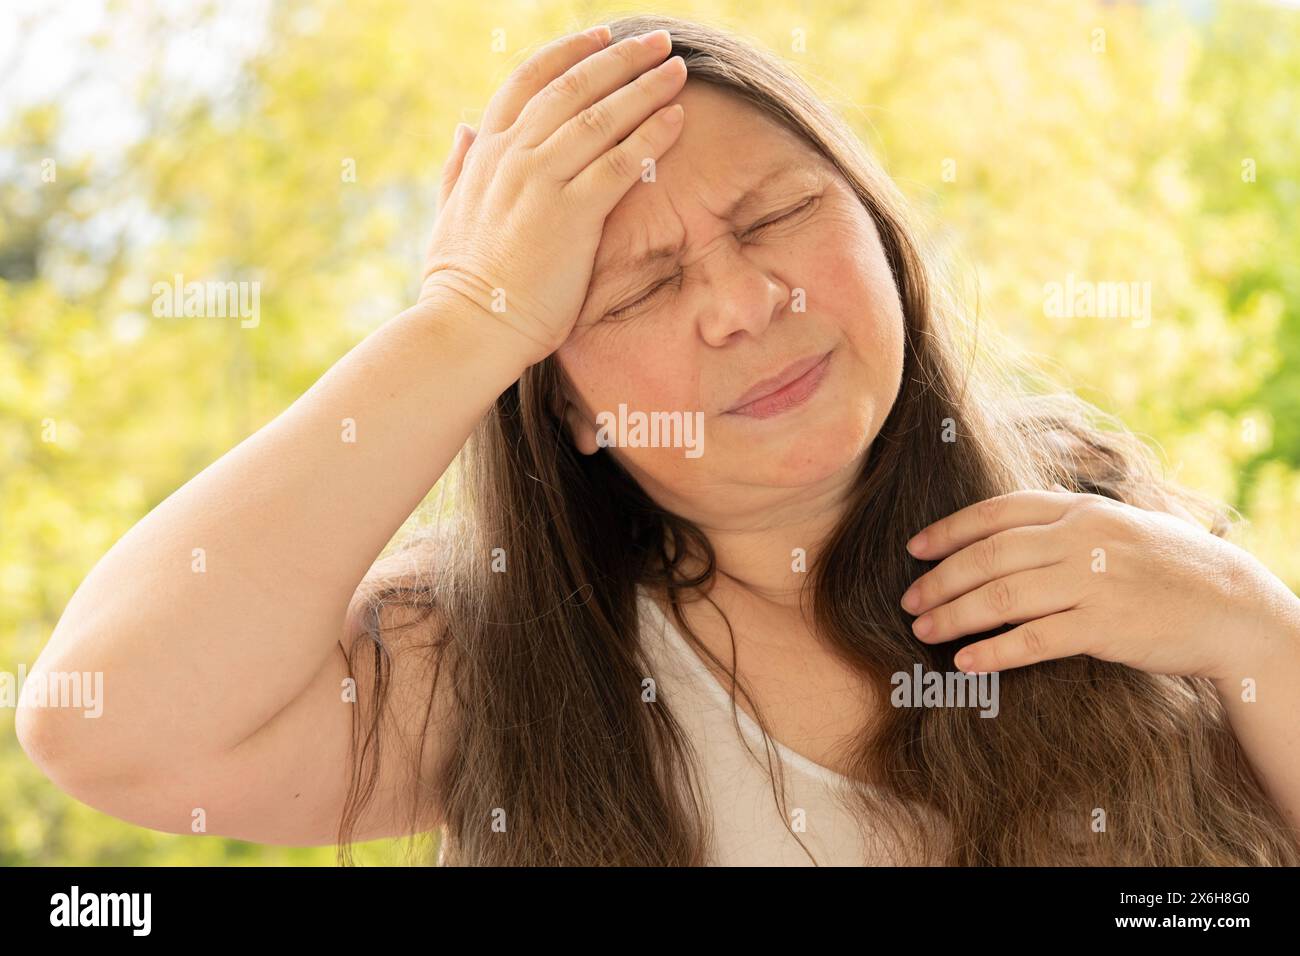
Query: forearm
[1265,714]
[220,605]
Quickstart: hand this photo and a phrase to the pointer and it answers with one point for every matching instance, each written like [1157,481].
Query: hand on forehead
[730,167]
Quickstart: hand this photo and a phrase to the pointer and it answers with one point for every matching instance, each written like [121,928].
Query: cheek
[637,365]
[852,287]
[621,363]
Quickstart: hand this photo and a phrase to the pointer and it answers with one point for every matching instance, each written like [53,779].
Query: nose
[744,294]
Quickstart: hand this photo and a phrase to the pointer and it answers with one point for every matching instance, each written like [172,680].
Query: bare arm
[1265,715]
[216,620]
[198,654]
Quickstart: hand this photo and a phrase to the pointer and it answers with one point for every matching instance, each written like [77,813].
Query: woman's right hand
[524,200]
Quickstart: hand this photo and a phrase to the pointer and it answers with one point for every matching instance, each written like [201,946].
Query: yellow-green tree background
[1107,141]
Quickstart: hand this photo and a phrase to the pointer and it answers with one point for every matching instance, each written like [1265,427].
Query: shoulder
[395,652]
[400,591]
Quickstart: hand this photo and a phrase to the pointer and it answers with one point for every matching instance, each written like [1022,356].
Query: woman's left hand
[1085,574]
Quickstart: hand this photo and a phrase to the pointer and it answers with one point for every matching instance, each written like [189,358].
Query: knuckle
[1095,504]
[527,74]
[487,152]
[1034,640]
[622,164]
[985,555]
[990,510]
[1092,511]
[569,85]
[1000,596]
[626,52]
[595,120]
[1071,517]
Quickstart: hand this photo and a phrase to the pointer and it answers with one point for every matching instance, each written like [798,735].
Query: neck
[764,554]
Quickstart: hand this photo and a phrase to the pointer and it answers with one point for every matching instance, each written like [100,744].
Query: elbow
[57,724]
[47,739]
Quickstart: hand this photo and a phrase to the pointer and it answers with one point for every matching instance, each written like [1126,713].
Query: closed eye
[784,217]
[753,230]
[616,313]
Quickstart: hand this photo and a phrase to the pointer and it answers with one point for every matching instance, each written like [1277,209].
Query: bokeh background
[298,143]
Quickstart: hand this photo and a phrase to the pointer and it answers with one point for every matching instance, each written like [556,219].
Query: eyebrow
[659,253]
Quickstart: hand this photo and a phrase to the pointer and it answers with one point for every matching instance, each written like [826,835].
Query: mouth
[791,388]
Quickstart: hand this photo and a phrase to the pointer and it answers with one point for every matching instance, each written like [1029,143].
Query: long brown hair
[552,734]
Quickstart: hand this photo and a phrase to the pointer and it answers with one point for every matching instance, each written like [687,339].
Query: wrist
[1270,639]
[468,329]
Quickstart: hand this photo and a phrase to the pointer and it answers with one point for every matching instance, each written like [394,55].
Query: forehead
[728,148]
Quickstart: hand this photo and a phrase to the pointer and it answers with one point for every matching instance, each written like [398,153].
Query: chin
[809,451]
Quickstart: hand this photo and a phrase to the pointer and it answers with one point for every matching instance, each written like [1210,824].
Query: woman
[727,488]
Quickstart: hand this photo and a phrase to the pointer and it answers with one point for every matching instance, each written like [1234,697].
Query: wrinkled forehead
[731,158]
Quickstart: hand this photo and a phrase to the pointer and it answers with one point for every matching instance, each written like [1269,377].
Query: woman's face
[768,263]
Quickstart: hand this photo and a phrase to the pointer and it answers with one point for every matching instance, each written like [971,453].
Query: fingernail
[917,543]
[600,33]
[922,625]
[911,600]
[963,660]
[652,38]
[673,115]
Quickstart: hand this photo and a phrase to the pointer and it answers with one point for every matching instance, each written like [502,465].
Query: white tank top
[749,828]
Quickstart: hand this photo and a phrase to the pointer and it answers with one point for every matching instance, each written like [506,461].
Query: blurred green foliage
[1111,142]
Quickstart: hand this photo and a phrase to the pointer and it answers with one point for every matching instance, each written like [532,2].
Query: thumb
[460,144]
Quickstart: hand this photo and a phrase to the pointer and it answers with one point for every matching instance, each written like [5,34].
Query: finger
[535,72]
[455,162]
[605,181]
[1016,549]
[590,81]
[1017,597]
[985,518]
[602,125]
[1047,638]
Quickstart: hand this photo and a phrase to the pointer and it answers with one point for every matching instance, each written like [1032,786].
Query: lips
[769,387]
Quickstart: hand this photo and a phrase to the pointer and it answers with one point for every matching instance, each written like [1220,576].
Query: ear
[581,430]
